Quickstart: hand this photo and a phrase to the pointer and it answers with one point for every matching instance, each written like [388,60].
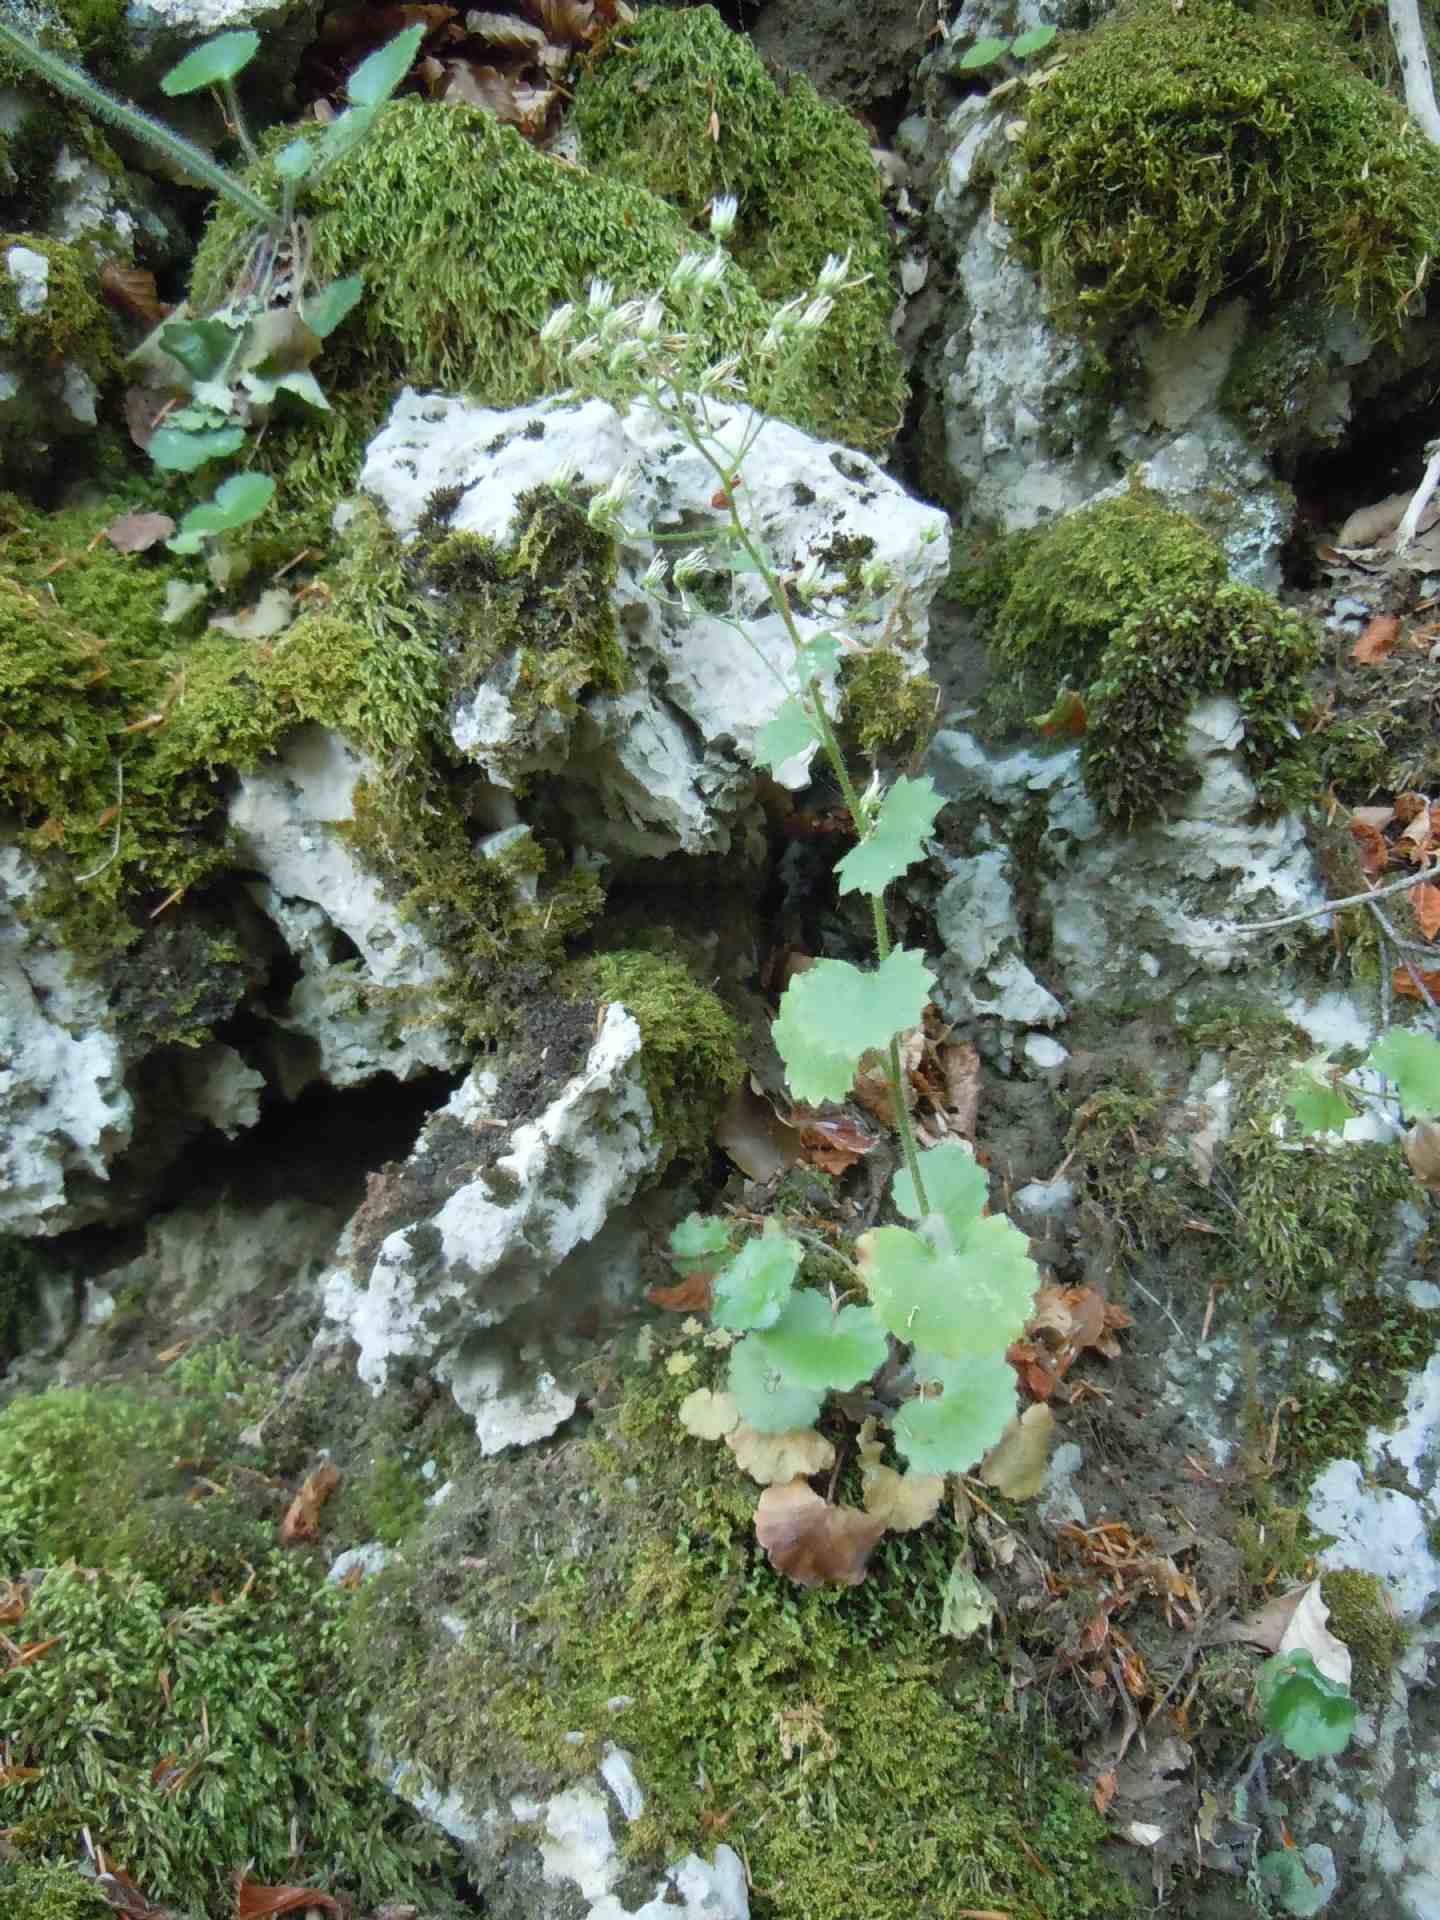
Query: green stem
[830,745]
[184,153]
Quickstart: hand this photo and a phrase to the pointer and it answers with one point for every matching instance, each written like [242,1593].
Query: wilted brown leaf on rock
[693,1294]
[254,1902]
[811,1542]
[302,1520]
[833,1145]
[1424,898]
[1377,642]
[757,1139]
[133,291]
[1422,1150]
[1371,848]
[1016,1465]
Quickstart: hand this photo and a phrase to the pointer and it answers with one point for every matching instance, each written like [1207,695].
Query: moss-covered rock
[468,239]
[830,1736]
[56,348]
[799,168]
[690,1060]
[1129,605]
[1180,155]
[1361,1616]
[192,1708]
[35,1891]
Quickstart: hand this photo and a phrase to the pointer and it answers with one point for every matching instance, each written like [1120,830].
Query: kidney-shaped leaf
[949,1433]
[956,1187]
[833,1013]
[1312,1715]
[753,1289]
[974,1300]
[218,60]
[765,1399]
[814,1346]
[896,840]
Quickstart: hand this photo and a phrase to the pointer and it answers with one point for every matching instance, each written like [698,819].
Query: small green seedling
[237,502]
[1311,1713]
[990,51]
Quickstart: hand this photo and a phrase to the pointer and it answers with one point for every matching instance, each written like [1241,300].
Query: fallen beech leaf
[760,1143]
[133,291]
[1103,1792]
[834,1145]
[1422,1150]
[903,1501]
[302,1522]
[1424,898]
[1016,1465]
[137,532]
[693,1294]
[960,1064]
[1370,846]
[772,1457]
[254,1902]
[505,30]
[1402,983]
[1308,1633]
[1377,641]
[571,21]
[709,1416]
[812,1542]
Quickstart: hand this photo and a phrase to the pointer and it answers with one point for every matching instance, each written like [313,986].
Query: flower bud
[557,326]
[602,297]
[722,216]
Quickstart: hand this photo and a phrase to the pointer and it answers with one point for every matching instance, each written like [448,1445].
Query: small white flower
[653,578]
[557,326]
[712,271]
[614,494]
[683,274]
[564,476]
[720,376]
[816,314]
[602,297]
[689,566]
[652,319]
[833,274]
[807,582]
[722,216]
[586,350]
[875,576]
[782,324]
[626,357]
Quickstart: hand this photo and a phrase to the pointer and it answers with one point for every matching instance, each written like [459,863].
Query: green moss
[1361,1616]
[1179,156]
[886,709]
[1129,604]
[468,239]
[800,169]
[38,1892]
[1313,1215]
[827,1735]
[691,1057]
[70,323]
[1381,1343]
[194,1712]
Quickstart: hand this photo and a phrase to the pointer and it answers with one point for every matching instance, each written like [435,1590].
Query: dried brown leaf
[709,1416]
[834,1145]
[133,291]
[1016,1465]
[1403,982]
[903,1501]
[811,1542]
[302,1519]
[960,1065]
[1422,1150]
[254,1902]
[760,1143]
[693,1294]
[1370,845]
[772,1457]
[1377,642]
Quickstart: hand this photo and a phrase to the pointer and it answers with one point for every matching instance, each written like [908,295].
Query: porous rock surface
[468,1276]
[667,766]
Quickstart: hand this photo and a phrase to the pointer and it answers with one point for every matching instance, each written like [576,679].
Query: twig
[1409,965]
[1328,906]
[1140,1287]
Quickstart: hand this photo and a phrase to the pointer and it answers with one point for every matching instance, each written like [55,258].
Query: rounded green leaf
[760,1391]
[951,1432]
[973,1299]
[201,346]
[244,497]
[833,1013]
[1287,1880]
[788,732]
[813,1346]
[323,311]
[895,841]
[753,1289]
[700,1242]
[218,60]
[1312,1714]
[984,53]
[1318,1105]
[375,79]
[956,1187]
[179,451]
[1412,1061]
[1035,41]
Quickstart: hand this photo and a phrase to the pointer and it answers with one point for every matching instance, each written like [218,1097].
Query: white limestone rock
[1134,913]
[669,764]
[497,1210]
[1026,435]
[66,1112]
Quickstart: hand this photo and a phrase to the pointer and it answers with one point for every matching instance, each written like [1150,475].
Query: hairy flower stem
[830,745]
[154,133]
